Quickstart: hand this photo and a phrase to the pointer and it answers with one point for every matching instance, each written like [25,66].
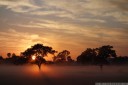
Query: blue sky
[63,24]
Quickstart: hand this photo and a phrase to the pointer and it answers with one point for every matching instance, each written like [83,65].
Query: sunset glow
[71,24]
[63,42]
[33,57]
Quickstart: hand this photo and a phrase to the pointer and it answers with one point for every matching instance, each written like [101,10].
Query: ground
[61,75]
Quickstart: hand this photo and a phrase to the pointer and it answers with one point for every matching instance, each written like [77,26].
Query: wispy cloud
[73,9]
[19,5]
[13,40]
[85,34]
[73,24]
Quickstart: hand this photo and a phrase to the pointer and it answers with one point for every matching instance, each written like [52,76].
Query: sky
[72,25]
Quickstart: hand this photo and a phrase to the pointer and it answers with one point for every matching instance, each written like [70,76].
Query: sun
[33,57]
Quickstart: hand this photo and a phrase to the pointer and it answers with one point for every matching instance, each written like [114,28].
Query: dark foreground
[61,75]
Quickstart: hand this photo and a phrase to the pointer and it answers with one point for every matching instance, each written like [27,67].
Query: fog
[61,75]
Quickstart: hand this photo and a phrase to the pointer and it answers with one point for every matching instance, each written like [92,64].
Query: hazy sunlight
[33,57]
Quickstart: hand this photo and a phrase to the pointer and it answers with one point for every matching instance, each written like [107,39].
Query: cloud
[120,16]
[122,4]
[19,6]
[92,10]
[72,9]
[79,11]
[14,41]
[83,34]
[74,24]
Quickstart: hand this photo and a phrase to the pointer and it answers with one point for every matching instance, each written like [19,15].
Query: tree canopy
[97,55]
[38,50]
[61,56]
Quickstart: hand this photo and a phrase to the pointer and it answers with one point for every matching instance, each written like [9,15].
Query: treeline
[91,56]
[102,55]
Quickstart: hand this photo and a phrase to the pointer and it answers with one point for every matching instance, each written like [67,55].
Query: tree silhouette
[1,58]
[87,56]
[120,60]
[13,55]
[39,51]
[69,59]
[105,52]
[97,55]
[9,55]
[61,57]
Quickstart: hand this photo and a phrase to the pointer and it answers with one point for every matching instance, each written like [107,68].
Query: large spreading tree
[97,55]
[38,50]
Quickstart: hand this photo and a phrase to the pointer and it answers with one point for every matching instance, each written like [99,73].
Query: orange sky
[69,25]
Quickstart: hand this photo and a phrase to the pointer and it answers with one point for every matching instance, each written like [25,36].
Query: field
[61,75]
